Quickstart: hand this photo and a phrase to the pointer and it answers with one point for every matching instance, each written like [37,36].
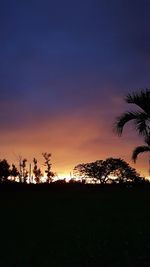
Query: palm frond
[140,119]
[141,99]
[142,123]
[138,150]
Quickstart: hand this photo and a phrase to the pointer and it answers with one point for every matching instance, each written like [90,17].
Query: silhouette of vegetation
[50,174]
[24,170]
[121,170]
[140,118]
[77,181]
[93,170]
[14,172]
[60,182]
[23,173]
[37,172]
[4,170]
[141,149]
[109,171]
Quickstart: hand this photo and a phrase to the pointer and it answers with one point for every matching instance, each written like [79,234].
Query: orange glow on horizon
[71,139]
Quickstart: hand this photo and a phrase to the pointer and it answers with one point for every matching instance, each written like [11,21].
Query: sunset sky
[65,67]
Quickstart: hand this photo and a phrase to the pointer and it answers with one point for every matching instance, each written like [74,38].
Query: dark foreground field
[72,227]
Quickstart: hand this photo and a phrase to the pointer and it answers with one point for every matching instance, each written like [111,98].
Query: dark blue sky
[70,58]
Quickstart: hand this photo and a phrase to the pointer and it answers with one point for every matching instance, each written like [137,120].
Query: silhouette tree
[37,171]
[94,170]
[14,172]
[20,169]
[47,163]
[4,170]
[140,117]
[141,149]
[23,173]
[110,170]
[117,170]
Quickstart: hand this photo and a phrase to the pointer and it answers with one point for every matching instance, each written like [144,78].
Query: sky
[65,67]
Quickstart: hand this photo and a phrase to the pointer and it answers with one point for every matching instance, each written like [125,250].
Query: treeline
[109,171]
[27,174]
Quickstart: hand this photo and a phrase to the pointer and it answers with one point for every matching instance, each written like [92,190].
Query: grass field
[72,227]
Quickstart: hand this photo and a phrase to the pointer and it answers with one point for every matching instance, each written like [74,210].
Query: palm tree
[140,117]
